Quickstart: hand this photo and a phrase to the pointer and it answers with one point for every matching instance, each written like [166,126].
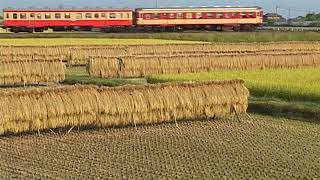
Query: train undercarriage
[119,29]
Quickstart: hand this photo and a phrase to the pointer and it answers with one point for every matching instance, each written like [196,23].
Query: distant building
[299,21]
[273,17]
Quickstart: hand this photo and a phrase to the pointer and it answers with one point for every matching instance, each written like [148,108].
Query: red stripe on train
[50,23]
[66,10]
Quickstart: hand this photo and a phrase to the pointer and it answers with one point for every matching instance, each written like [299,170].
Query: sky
[298,7]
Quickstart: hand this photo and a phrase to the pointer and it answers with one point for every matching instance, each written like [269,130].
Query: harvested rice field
[261,148]
[84,41]
[89,131]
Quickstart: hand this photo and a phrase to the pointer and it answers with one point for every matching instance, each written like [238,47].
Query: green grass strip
[79,75]
[288,84]
[233,37]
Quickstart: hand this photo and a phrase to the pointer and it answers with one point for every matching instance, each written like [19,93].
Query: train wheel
[248,27]
[236,28]
[170,29]
[179,29]
[220,28]
[15,30]
[30,30]
[147,28]
[253,28]
[157,29]
[39,29]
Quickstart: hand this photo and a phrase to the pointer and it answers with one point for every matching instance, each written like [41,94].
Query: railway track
[299,29]
[88,34]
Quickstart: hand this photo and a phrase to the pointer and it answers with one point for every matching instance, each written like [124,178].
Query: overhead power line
[297,10]
[291,11]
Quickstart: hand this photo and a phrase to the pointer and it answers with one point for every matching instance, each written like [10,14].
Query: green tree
[270,23]
[311,17]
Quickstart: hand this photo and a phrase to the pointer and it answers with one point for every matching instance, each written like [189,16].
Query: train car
[24,20]
[210,18]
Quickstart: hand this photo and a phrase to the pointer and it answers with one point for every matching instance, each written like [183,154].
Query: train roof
[201,7]
[67,10]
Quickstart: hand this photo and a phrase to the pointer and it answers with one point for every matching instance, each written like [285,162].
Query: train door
[31,21]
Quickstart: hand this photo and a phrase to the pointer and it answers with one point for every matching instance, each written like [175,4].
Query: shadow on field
[70,129]
[285,110]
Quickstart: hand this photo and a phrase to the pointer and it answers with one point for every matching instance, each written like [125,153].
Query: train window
[189,15]
[23,16]
[120,15]
[15,16]
[88,15]
[172,16]
[227,15]
[112,15]
[147,16]
[209,15]
[127,16]
[163,15]
[156,16]
[234,15]
[39,16]
[260,13]
[243,15]
[57,15]
[180,16]
[32,15]
[96,15]
[252,15]
[198,15]
[47,16]
[79,16]
[67,15]
[219,15]
[103,15]
[7,16]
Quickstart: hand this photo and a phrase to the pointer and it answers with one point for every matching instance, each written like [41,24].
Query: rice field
[119,132]
[263,148]
[300,84]
[84,41]
[207,56]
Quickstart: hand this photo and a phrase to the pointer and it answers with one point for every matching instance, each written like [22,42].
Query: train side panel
[200,17]
[31,19]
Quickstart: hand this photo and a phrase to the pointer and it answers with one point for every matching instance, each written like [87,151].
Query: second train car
[141,19]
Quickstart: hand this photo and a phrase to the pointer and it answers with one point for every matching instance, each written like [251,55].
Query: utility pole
[277,8]
[289,13]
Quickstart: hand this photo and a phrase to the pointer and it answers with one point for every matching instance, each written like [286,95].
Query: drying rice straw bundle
[112,67]
[42,108]
[31,71]
[80,56]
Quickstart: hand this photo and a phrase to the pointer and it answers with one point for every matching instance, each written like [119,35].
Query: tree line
[312,17]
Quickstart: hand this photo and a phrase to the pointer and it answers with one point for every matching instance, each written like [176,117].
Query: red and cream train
[159,19]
